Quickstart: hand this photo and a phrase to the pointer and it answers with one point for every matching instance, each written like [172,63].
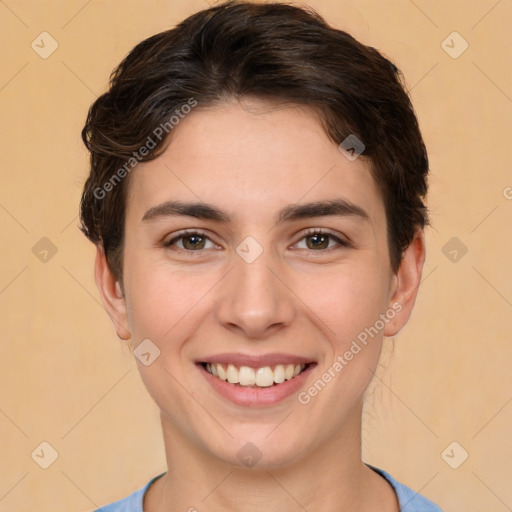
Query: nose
[255,299]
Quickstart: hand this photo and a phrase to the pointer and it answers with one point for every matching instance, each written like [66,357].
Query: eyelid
[183,234]
[342,241]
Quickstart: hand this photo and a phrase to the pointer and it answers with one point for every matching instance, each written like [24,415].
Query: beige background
[67,380]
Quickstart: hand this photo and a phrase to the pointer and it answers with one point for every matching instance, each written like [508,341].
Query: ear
[405,284]
[111,294]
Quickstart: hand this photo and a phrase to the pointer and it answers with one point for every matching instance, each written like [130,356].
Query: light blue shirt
[409,500]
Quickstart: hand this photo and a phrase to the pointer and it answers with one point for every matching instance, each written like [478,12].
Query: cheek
[349,303]
[346,301]
[166,306]
[164,299]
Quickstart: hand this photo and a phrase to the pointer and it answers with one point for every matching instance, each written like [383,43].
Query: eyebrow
[199,210]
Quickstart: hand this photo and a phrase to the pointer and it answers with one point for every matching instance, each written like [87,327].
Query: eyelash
[313,231]
[309,232]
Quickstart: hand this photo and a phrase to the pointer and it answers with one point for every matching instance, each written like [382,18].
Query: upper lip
[253,361]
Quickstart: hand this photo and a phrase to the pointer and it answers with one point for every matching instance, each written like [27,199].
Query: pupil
[324,237]
[193,237]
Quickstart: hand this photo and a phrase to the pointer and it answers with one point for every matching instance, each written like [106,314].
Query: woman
[256,199]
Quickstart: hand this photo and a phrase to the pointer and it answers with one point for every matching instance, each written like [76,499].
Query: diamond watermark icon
[454,249]
[146,352]
[44,45]
[454,455]
[249,454]
[454,45]
[351,147]
[44,250]
[249,249]
[44,455]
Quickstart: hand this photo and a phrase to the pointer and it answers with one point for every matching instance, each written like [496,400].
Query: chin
[258,452]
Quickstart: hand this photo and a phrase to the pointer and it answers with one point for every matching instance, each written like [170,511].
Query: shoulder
[410,501]
[131,503]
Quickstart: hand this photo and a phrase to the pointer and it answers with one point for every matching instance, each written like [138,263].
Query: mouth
[255,377]
[262,380]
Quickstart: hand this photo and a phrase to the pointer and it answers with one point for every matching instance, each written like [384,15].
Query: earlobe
[406,283]
[111,294]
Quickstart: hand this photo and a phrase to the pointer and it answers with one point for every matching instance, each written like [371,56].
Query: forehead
[249,159]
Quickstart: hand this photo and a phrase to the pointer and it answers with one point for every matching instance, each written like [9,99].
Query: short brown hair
[273,51]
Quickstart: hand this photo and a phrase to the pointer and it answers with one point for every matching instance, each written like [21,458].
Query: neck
[331,477]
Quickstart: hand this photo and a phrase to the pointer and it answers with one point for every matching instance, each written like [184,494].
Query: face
[263,277]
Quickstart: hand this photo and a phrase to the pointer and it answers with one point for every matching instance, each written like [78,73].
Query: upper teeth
[247,376]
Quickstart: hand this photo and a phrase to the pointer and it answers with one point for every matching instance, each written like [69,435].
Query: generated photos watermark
[304,397]
[160,132]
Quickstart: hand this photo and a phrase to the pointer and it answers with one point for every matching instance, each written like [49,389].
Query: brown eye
[190,241]
[318,240]
[193,242]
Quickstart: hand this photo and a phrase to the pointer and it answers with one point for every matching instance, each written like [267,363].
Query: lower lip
[256,397]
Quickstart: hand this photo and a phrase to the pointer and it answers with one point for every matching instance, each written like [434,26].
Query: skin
[294,298]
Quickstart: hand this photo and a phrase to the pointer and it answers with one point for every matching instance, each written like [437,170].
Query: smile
[246,376]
